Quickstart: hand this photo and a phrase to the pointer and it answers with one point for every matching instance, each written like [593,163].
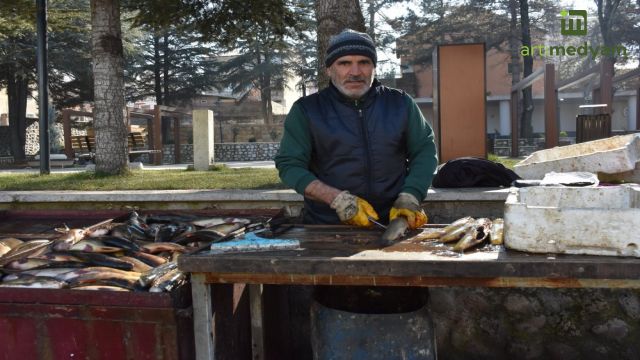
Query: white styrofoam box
[574,220]
[611,155]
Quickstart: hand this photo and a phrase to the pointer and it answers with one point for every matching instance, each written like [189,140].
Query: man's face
[352,75]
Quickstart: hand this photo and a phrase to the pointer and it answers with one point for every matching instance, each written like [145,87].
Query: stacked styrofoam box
[614,158]
[574,220]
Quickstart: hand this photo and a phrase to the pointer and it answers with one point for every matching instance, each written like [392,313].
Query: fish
[204,235]
[149,259]
[7,244]
[497,231]
[155,273]
[49,272]
[36,283]
[154,248]
[56,256]
[217,221]
[103,280]
[136,264]
[168,281]
[100,288]
[98,259]
[94,246]
[69,236]
[29,264]
[120,242]
[128,232]
[99,271]
[457,233]
[396,228]
[458,223]
[97,232]
[27,248]
[477,233]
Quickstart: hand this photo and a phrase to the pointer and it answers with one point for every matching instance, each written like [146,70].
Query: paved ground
[231,164]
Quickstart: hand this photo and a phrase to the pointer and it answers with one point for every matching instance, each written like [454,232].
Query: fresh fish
[458,223]
[98,271]
[50,272]
[149,259]
[101,288]
[136,264]
[32,247]
[396,229]
[457,233]
[168,281]
[430,234]
[120,242]
[70,236]
[226,228]
[156,273]
[97,232]
[128,232]
[98,259]
[477,233]
[497,231]
[217,221]
[154,248]
[35,283]
[103,280]
[29,264]
[204,235]
[7,244]
[57,256]
[91,245]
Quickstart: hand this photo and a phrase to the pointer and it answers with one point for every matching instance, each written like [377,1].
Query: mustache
[355,79]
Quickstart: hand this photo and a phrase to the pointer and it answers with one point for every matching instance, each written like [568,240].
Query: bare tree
[108,63]
[333,16]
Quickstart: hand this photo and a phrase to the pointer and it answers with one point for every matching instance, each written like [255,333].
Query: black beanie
[350,42]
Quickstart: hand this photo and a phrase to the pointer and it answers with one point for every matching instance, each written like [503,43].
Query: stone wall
[537,323]
[254,151]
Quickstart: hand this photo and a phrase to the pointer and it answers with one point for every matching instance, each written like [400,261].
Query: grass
[508,162]
[219,178]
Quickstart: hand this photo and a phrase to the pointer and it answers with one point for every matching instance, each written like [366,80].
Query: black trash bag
[472,172]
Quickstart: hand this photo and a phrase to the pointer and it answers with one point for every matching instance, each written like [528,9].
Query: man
[357,150]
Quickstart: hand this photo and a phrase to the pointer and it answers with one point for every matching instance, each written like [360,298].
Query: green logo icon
[567,22]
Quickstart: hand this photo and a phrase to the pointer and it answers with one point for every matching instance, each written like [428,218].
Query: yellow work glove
[353,210]
[408,206]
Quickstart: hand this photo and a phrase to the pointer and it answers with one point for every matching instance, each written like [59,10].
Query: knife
[376,222]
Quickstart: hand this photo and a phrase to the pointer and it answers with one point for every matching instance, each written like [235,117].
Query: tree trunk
[165,68]
[514,42]
[156,67]
[333,16]
[526,128]
[17,92]
[108,113]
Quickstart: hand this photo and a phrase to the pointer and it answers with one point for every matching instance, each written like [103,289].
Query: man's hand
[353,210]
[408,206]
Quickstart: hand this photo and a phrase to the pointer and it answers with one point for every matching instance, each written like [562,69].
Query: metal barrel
[338,334]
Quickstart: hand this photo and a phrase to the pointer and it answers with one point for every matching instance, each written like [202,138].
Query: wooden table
[339,255]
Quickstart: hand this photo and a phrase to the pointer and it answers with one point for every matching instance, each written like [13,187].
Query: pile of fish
[467,232]
[132,253]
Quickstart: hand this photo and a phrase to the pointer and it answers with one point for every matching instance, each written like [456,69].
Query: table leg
[202,317]
[257,330]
